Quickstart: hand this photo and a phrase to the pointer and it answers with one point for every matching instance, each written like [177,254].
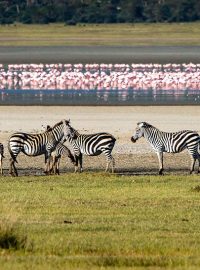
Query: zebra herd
[50,143]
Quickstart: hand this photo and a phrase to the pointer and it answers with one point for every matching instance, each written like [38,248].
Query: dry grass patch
[145,34]
[103,221]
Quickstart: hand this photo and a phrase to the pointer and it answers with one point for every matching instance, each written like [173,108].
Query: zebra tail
[14,158]
[71,157]
[113,140]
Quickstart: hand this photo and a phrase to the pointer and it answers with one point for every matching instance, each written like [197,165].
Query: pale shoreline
[121,120]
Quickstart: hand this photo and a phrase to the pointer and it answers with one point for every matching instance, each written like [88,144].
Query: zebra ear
[143,124]
[140,124]
[67,121]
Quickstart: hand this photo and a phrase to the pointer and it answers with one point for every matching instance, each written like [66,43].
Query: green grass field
[103,34]
[100,221]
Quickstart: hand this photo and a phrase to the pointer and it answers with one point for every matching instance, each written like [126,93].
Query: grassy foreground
[103,34]
[99,221]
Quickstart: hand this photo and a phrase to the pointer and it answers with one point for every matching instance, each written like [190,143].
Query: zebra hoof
[160,172]
[15,174]
[76,169]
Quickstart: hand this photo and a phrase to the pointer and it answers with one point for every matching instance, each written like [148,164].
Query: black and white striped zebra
[92,145]
[60,151]
[37,144]
[171,142]
[1,157]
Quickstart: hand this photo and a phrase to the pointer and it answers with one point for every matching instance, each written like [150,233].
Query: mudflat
[99,54]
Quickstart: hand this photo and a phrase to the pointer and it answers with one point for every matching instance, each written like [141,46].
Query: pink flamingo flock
[100,76]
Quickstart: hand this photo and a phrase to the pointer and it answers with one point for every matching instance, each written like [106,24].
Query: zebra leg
[81,162]
[1,161]
[160,159]
[15,169]
[198,163]
[107,165]
[51,164]
[113,165]
[193,161]
[11,167]
[57,166]
[198,157]
[76,164]
[12,170]
[110,160]
[194,156]
[54,165]
[48,166]
[47,163]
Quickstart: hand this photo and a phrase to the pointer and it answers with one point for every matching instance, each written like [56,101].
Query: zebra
[60,150]
[91,145]
[171,142]
[1,157]
[37,144]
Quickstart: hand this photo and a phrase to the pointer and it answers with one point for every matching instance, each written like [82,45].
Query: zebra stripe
[92,145]
[37,144]
[169,142]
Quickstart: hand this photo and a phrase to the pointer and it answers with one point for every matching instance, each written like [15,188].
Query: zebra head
[60,130]
[68,130]
[139,132]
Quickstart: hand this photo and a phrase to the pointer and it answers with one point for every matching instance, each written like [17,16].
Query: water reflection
[98,97]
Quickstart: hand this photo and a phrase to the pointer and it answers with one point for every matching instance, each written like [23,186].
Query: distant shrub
[196,188]
[10,238]
[70,22]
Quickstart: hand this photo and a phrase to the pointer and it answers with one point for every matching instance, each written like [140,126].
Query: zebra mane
[144,125]
[48,128]
[76,133]
[60,123]
[65,125]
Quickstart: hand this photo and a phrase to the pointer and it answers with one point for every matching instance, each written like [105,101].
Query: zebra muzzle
[133,139]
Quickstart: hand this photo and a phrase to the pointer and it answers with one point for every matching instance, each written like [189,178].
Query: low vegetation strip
[141,34]
[103,221]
